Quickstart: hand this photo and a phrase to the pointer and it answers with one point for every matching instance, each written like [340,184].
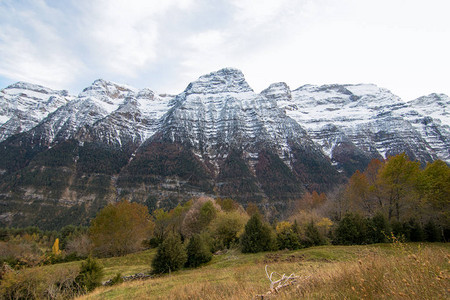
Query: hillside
[330,272]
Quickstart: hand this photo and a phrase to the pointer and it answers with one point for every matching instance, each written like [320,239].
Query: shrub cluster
[60,283]
[354,229]
[172,254]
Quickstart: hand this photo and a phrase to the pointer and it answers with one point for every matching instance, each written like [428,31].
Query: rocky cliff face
[24,105]
[355,123]
[222,137]
[218,137]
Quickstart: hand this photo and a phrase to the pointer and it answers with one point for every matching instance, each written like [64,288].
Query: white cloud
[401,45]
[31,50]
[123,35]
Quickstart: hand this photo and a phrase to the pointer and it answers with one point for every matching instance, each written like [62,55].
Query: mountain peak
[22,85]
[101,87]
[227,80]
[277,91]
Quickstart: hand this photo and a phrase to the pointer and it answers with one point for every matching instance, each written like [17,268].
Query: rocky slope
[218,137]
[222,137]
[355,123]
[24,105]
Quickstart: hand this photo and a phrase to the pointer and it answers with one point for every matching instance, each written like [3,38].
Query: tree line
[392,199]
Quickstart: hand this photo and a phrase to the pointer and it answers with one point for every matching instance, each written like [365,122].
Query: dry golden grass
[334,272]
[421,274]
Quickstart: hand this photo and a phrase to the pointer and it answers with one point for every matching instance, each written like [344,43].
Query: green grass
[234,275]
[129,264]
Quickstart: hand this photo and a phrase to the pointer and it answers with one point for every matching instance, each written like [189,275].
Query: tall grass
[420,274]
[333,272]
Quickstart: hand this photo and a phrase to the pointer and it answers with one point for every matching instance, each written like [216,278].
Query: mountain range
[63,157]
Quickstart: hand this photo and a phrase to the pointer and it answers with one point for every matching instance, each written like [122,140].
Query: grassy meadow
[380,271]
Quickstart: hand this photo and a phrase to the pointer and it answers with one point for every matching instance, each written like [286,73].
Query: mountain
[218,137]
[356,123]
[430,116]
[221,137]
[24,105]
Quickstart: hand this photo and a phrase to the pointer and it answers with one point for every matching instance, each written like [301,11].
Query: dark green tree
[257,236]
[414,231]
[431,232]
[198,251]
[352,229]
[288,236]
[378,229]
[171,255]
[91,274]
[313,236]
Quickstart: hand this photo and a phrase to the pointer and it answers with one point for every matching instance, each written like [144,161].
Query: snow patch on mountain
[24,105]
[220,111]
[372,118]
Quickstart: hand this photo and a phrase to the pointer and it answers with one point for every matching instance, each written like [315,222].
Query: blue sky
[402,45]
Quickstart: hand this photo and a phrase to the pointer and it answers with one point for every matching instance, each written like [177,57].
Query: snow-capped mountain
[105,112]
[218,137]
[136,119]
[24,105]
[362,120]
[430,116]
[219,120]
[220,110]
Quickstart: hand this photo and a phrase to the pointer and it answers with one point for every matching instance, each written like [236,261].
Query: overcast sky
[403,45]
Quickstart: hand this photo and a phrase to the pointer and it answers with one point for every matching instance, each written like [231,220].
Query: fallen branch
[277,284]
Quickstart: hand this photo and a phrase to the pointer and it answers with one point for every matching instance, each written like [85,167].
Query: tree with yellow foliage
[120,229]
[55,249]
[397,179]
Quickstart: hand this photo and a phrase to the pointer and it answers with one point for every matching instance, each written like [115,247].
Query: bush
[79,246]
[70,232]
[19,252]
[91,274]
[257,236]
[37,284]
[198,251]
[171,255]
[117,279]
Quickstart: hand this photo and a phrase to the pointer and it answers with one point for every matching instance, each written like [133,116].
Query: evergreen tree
[415,231]
[352,229]
[378,229]
[257,236]
[198,251]
[287,236]
[313,236]
[399,230]
[91,274]
[171,255]
[431,232]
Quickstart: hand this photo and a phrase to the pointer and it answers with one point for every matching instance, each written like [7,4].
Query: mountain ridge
[217,138]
